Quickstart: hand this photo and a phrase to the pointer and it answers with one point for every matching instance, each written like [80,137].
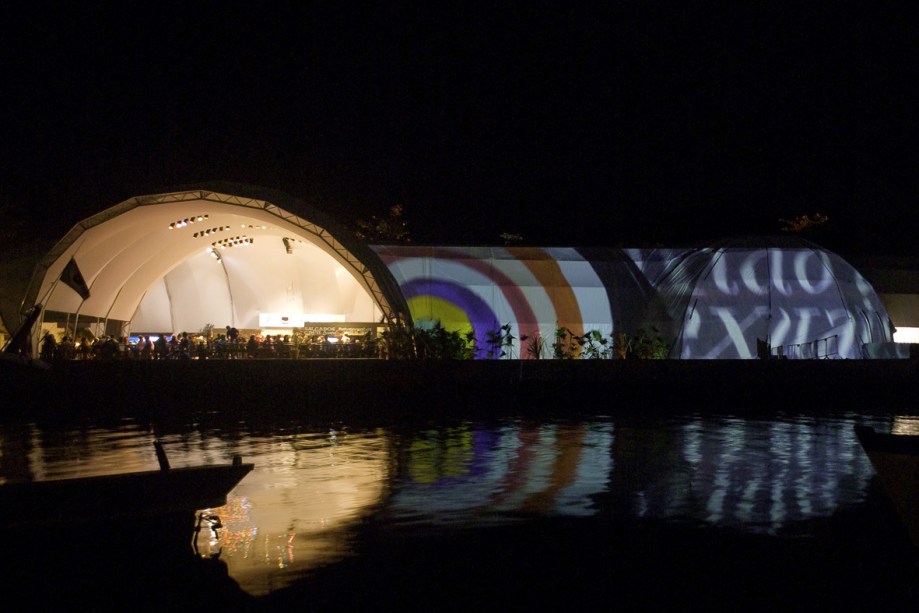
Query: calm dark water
[343,516]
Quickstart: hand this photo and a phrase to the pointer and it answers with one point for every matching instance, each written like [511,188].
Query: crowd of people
[185,346]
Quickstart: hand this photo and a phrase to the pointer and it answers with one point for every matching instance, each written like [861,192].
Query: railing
[227,350]
[826,348]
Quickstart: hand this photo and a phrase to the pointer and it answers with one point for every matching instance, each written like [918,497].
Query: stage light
[181,223]
[235,241]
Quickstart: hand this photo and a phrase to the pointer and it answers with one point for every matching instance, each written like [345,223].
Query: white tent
[232,256]
[536,291]
[726,301]
[177,261]
[798,299]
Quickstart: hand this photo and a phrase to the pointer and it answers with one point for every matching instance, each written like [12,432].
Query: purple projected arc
[482,318]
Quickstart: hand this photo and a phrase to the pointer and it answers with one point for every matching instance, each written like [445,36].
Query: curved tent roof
[796,297]
[219,254]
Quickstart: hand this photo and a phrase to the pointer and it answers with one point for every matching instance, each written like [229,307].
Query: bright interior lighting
[906,335]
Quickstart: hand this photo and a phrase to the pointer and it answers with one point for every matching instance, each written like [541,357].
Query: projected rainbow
[453,306]
[535,290]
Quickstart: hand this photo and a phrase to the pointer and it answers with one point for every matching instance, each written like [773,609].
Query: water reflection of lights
[542,468]
[761,475]
[293,512]
[298,509]
[905,424]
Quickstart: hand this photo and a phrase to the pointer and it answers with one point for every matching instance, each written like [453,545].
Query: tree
[390,229]
[803,223]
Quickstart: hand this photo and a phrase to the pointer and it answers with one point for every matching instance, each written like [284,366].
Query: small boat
[895,458]
[167,492]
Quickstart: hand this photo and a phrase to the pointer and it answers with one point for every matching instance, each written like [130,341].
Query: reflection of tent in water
[802,300]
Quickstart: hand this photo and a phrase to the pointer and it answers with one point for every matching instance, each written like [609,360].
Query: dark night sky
[566,123]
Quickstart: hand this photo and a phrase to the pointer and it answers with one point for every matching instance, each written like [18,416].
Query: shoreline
[343,388]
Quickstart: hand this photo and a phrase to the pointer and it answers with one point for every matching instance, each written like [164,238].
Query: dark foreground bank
[347,389]
[860,559]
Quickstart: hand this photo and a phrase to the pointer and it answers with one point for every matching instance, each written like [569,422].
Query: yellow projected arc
[432,308]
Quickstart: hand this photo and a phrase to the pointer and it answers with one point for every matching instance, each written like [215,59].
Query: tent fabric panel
[801,299]
[527,288]
[199,294]
[153,312]
[191,295]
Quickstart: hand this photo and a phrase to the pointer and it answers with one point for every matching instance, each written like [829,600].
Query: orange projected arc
[549,274]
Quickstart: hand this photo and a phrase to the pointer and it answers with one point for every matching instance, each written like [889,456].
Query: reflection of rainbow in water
[541,469]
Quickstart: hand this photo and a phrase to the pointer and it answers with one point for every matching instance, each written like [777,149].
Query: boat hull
[895,458]
[147,494]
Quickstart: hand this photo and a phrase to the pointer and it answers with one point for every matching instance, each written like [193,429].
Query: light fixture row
[181,223]
[238,241]
[211,231]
